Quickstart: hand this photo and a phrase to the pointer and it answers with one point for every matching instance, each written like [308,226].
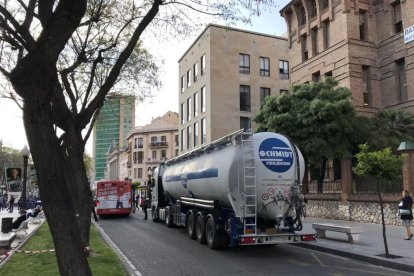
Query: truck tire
[191,226]
[168,217]
[215,239]
[201,229]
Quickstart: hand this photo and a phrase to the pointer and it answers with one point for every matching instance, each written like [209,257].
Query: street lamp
[25,153]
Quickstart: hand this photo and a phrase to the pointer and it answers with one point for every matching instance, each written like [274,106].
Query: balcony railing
[156,160]
[158,144]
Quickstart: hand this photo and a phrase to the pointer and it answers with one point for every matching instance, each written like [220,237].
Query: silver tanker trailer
[242,189]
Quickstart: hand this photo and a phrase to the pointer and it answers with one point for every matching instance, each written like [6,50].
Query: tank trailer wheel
[215,239]
[200,229]
[191,226]
[168,219]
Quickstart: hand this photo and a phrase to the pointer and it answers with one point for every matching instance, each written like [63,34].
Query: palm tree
[390,127]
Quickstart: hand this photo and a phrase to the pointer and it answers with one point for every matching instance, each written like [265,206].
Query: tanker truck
[242,189]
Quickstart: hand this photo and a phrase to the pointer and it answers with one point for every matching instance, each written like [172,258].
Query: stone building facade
[361,43]
[224,77]
[150,145]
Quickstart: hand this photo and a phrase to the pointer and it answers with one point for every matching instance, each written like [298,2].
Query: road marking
[300,263]
[317,259]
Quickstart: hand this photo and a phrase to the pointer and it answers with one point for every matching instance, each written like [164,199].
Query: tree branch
[29,14]
[24,33]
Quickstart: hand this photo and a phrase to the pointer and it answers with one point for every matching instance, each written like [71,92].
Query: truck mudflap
[275,239]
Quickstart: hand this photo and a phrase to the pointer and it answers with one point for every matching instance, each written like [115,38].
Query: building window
[203,99]
[140,143]
[203,131]
[302,16]
[189,78]
[182,113]
[264,66]
[163,155]
[326,34]
[363,34]
[316,76]
[244,98]
[182,84]
[195,139]
[176,152]
[203,64]
[135,157]
[188,137]
[314,37]
[398,25]
[195,104]
[313,9]
[283,91]
[176,140]
[245,123]
[182,139]
[139,172]
[401,79]
[140,157]
[195,72]
[366,85]
[154,155]
[328,74]
[264,92]
[189,109]
[164,139]
[324,4]
[284,69]
[244,65]
[304,45]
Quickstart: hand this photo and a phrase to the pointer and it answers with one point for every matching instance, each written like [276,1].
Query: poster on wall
[14,178]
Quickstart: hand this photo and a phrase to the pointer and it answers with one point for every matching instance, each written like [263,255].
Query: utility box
[6,225]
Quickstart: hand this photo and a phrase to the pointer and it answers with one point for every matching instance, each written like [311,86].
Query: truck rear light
[248,240]
[309,237]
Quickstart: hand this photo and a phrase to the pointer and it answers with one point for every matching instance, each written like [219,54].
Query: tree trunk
[321,176]
[387,254]
[55,177]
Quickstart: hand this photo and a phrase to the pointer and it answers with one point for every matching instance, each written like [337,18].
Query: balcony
[158,144]
[156,160]
[128,164]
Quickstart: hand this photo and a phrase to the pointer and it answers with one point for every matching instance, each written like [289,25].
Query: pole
[25,161]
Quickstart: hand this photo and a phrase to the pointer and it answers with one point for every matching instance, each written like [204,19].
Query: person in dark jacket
[145,207]
[19,220]
[406,213]
[11,203]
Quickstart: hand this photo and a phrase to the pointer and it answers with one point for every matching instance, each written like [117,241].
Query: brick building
[360,43]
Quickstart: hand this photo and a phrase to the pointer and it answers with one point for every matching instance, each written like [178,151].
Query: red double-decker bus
[114,197]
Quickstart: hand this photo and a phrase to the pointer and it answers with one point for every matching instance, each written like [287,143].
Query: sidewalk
[20,239]
[370,245]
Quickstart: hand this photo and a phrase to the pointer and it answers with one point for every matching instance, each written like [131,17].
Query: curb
[23,242]
[366,259]
[126,263]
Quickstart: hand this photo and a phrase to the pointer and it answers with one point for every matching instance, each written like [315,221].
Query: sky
[12,131]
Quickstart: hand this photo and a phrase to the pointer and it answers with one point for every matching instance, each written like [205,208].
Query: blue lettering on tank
[200,174]
[276,155]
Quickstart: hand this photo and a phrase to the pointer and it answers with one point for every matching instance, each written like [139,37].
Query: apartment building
[363,44]
[151,145]
[224,78]
[115,121]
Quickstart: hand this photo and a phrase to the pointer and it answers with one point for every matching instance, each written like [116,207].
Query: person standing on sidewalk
[11,203]
[406,213]
[1,202]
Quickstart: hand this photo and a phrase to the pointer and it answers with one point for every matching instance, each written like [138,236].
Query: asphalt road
[156,250]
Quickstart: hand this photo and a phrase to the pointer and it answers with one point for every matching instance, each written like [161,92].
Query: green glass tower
[115,121]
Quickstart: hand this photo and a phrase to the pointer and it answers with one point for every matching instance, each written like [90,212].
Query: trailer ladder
[249,185]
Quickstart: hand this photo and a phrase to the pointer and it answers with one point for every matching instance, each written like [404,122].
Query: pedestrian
[406,213]
[1,202]
[94,213]
[137,201]
[11,203]
[145,207]
[19,204]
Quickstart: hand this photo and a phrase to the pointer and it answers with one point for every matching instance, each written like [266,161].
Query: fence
[364,184]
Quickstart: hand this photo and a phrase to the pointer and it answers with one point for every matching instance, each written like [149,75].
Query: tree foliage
[381,164]
[389,127]
[62,58]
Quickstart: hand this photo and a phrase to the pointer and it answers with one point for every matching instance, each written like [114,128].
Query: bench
[351,232]
[7,239]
